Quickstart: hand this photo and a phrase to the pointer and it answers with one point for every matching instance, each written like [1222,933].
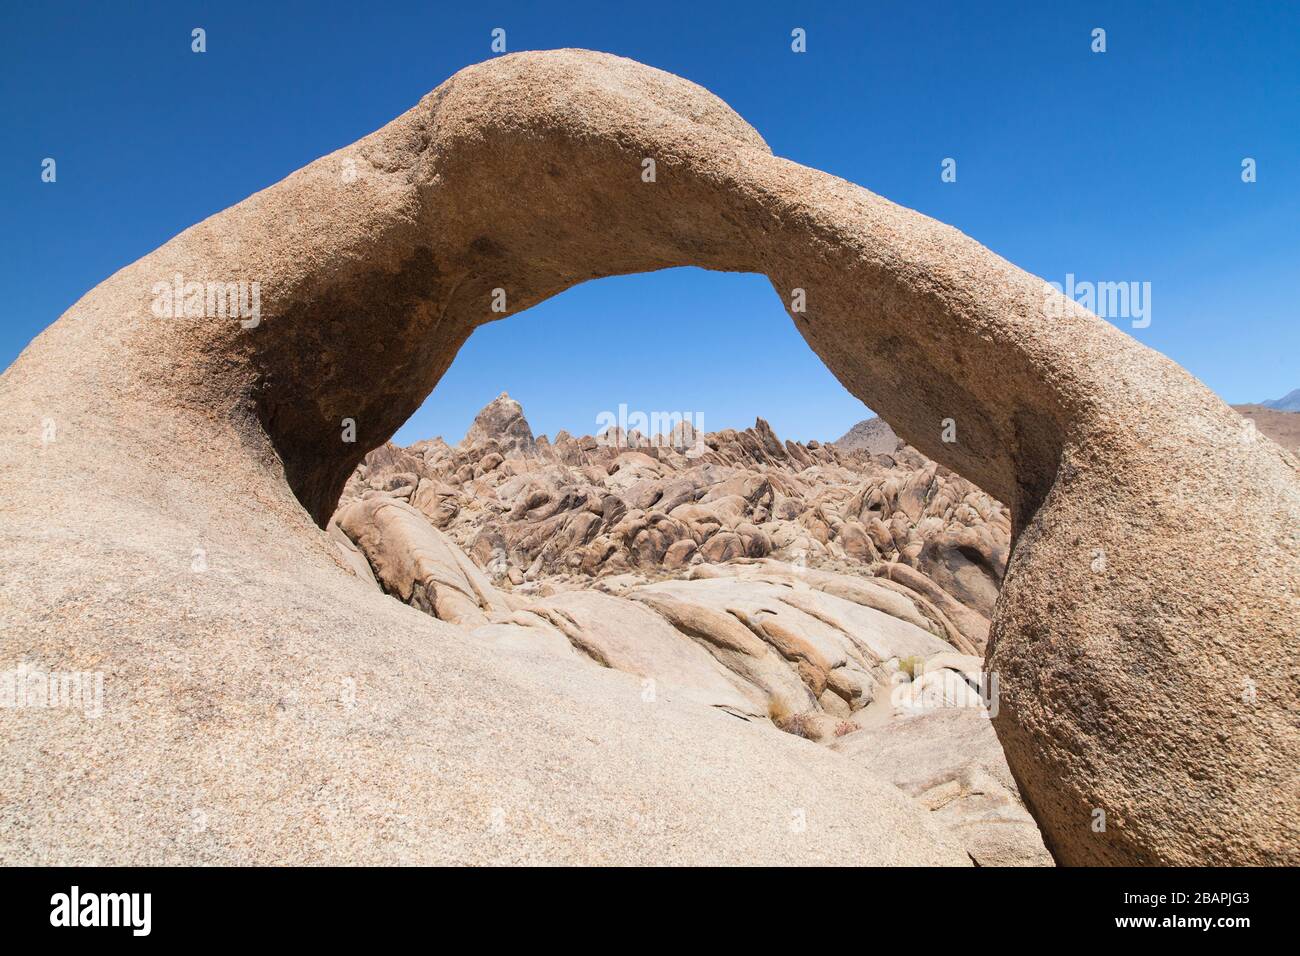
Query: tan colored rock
[873,436]
[656,508]
[968,563]
[352,555]
[968,665]
[723,546]
[679,553]
[973,626]
[734,645]
[628,636]
[949,760]
[827,642]
[1141,634]
[437,500]
[417,564]
[502,423]
[938,687]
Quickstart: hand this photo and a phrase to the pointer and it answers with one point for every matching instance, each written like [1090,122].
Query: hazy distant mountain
[1279,420]
[873,436]
[1287,403]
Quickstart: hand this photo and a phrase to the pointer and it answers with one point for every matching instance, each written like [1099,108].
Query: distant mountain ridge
[1287,403]
[1278,419]
[873,436]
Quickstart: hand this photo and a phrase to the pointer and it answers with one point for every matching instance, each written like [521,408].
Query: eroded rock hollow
[1144,638]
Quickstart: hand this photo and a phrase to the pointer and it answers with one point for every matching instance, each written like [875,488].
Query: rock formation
[531,509]
[166,479]
[873,436]
[592,552]
[502,422]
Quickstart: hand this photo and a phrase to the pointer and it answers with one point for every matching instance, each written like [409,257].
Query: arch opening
[811,501]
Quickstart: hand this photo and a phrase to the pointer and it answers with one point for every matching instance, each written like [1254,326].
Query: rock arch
[1144,633]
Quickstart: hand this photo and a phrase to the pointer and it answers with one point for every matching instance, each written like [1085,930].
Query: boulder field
[601,551]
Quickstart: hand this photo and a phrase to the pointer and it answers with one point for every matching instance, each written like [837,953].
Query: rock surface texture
[593,549]
[531,510]
[166,482]
[874,436]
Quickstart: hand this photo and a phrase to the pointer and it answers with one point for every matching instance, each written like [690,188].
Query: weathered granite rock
[948,758]
[759,640]
[503,424]
[628,636]
[873,436]
[415,562]
[1143,634]
[590,508]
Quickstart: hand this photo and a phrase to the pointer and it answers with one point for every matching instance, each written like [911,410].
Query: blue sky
[1117,166]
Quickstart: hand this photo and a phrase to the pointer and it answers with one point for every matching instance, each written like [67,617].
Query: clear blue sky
[1122,166]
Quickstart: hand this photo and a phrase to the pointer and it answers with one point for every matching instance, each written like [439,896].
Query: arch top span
[519,177]
[522,176]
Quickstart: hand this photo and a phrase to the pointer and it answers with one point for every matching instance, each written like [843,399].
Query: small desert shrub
[913,667]
[798,724]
